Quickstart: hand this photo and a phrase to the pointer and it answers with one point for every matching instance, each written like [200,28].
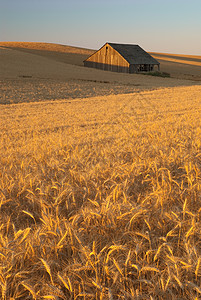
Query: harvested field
[39,72]
[180,66]
[26,90]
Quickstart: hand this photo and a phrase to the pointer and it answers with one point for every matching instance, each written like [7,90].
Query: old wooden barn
[124,58]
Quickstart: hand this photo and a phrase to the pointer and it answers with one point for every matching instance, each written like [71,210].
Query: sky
[170,26]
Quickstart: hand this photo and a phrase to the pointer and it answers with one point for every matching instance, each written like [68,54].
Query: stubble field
[101,196]
[39,72]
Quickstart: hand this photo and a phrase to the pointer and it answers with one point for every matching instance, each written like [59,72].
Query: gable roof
[134,54]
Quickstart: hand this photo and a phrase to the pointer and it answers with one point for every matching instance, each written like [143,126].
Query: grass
[157,73]
[100,198]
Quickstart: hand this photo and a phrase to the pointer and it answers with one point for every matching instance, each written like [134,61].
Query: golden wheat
[100,198]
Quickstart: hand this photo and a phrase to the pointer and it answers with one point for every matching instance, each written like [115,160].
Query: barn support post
[159,67]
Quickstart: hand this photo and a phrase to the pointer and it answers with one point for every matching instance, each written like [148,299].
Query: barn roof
[134,54]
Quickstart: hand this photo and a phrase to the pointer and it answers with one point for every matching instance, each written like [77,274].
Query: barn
[125,58]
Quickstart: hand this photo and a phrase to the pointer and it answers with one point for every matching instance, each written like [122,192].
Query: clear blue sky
[172,26]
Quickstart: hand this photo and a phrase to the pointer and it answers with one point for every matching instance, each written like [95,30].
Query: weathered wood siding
[107,59]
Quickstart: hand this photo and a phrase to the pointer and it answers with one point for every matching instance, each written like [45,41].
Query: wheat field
[101,197]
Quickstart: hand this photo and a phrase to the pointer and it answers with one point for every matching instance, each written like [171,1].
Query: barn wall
[108,59]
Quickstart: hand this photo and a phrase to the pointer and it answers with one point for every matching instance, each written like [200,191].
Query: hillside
[180,66]
[40,71]
[57,52]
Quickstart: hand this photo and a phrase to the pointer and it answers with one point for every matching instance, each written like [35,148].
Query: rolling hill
[57,72]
